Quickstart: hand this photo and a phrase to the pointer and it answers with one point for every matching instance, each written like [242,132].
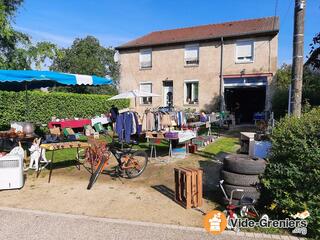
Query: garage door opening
[243,102]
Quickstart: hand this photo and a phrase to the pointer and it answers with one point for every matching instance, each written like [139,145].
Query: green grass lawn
[62,155]
[222,145]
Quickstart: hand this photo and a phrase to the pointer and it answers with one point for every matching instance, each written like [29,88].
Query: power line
[288,10]
[275,13]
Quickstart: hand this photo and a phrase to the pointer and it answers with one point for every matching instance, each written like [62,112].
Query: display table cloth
[183,136]
[102,120]
[186,135]
[70,123]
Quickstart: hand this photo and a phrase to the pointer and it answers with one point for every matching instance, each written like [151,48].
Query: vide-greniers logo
[298,226]
[216,222]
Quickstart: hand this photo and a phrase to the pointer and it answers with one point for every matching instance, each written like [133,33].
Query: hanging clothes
[127,124]
[150,121]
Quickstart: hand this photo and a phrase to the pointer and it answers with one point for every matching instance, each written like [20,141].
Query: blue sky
[115,22]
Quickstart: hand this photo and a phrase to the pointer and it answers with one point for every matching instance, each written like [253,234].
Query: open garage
[245,96]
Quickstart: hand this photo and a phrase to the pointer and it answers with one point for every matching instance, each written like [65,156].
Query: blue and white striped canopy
[63,78]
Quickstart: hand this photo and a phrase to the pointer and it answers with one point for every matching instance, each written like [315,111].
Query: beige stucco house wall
[168,64]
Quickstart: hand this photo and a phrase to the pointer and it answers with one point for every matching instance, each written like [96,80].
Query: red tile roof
[267,25]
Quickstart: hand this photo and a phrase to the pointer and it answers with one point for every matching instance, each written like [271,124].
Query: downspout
[222,103]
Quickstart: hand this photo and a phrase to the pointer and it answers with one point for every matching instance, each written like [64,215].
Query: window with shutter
[191,54]
[244,51]
[146,87]
[145,58]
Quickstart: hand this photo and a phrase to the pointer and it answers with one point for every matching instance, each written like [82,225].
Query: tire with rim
[141,158]
[250,192]
[239,179]
[243,164]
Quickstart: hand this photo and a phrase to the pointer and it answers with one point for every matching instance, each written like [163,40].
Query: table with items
[69,123]
[176,126]
[59,146]
[180,136]
[103,119]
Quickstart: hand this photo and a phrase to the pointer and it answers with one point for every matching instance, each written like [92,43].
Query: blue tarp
[63,78]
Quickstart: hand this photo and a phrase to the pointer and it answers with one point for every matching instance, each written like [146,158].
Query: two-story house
[196,67]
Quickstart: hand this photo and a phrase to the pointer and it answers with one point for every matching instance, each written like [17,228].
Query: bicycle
[245,207]
[131,162]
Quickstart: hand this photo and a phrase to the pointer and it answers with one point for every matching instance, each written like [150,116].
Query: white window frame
[142,98]
[145,51]
[249,41]
[192,46]
[185,91]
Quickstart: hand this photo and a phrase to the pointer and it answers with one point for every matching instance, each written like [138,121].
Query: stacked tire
[242,172]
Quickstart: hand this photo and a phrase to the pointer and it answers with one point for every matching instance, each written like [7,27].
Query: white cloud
[65,41]
[111,40]
[46,36]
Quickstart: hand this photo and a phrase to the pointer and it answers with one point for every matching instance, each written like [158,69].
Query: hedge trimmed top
[42,106]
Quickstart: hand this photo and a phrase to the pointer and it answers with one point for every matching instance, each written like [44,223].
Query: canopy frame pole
[27,103]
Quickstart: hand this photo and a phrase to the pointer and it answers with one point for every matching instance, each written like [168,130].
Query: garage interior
[244,101]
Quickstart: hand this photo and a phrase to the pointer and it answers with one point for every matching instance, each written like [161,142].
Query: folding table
[59,146]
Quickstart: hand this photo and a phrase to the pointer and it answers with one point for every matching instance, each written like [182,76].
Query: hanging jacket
[120,126]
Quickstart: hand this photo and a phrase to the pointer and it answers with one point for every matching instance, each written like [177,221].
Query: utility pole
[297,61]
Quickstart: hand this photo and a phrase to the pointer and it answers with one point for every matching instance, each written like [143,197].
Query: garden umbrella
[62,78]
[133,94]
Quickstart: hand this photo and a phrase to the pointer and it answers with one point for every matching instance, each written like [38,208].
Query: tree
[283,76]
[42,51]
[314,54]
[16,50]
[87,56]
[311,88]
[10,39]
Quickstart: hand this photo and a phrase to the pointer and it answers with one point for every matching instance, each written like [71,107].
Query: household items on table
[181,135]
[177,127]
[19,132]
[175,136]
[69,123]
[103,119]
[63,145]
[26,128]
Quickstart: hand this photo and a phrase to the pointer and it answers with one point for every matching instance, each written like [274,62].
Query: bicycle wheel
[136,164]
[96,174]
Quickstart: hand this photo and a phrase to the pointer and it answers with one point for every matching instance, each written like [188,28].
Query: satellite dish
[116,57]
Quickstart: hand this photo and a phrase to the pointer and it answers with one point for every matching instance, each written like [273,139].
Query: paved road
[18,224]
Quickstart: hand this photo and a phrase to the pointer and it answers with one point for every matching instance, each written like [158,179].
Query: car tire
[239,179]
[243,164]
[250,192]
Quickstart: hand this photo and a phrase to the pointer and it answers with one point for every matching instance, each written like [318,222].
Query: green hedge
[42,106]
[292,177]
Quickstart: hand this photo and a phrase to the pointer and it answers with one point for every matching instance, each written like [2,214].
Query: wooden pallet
[188,187]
